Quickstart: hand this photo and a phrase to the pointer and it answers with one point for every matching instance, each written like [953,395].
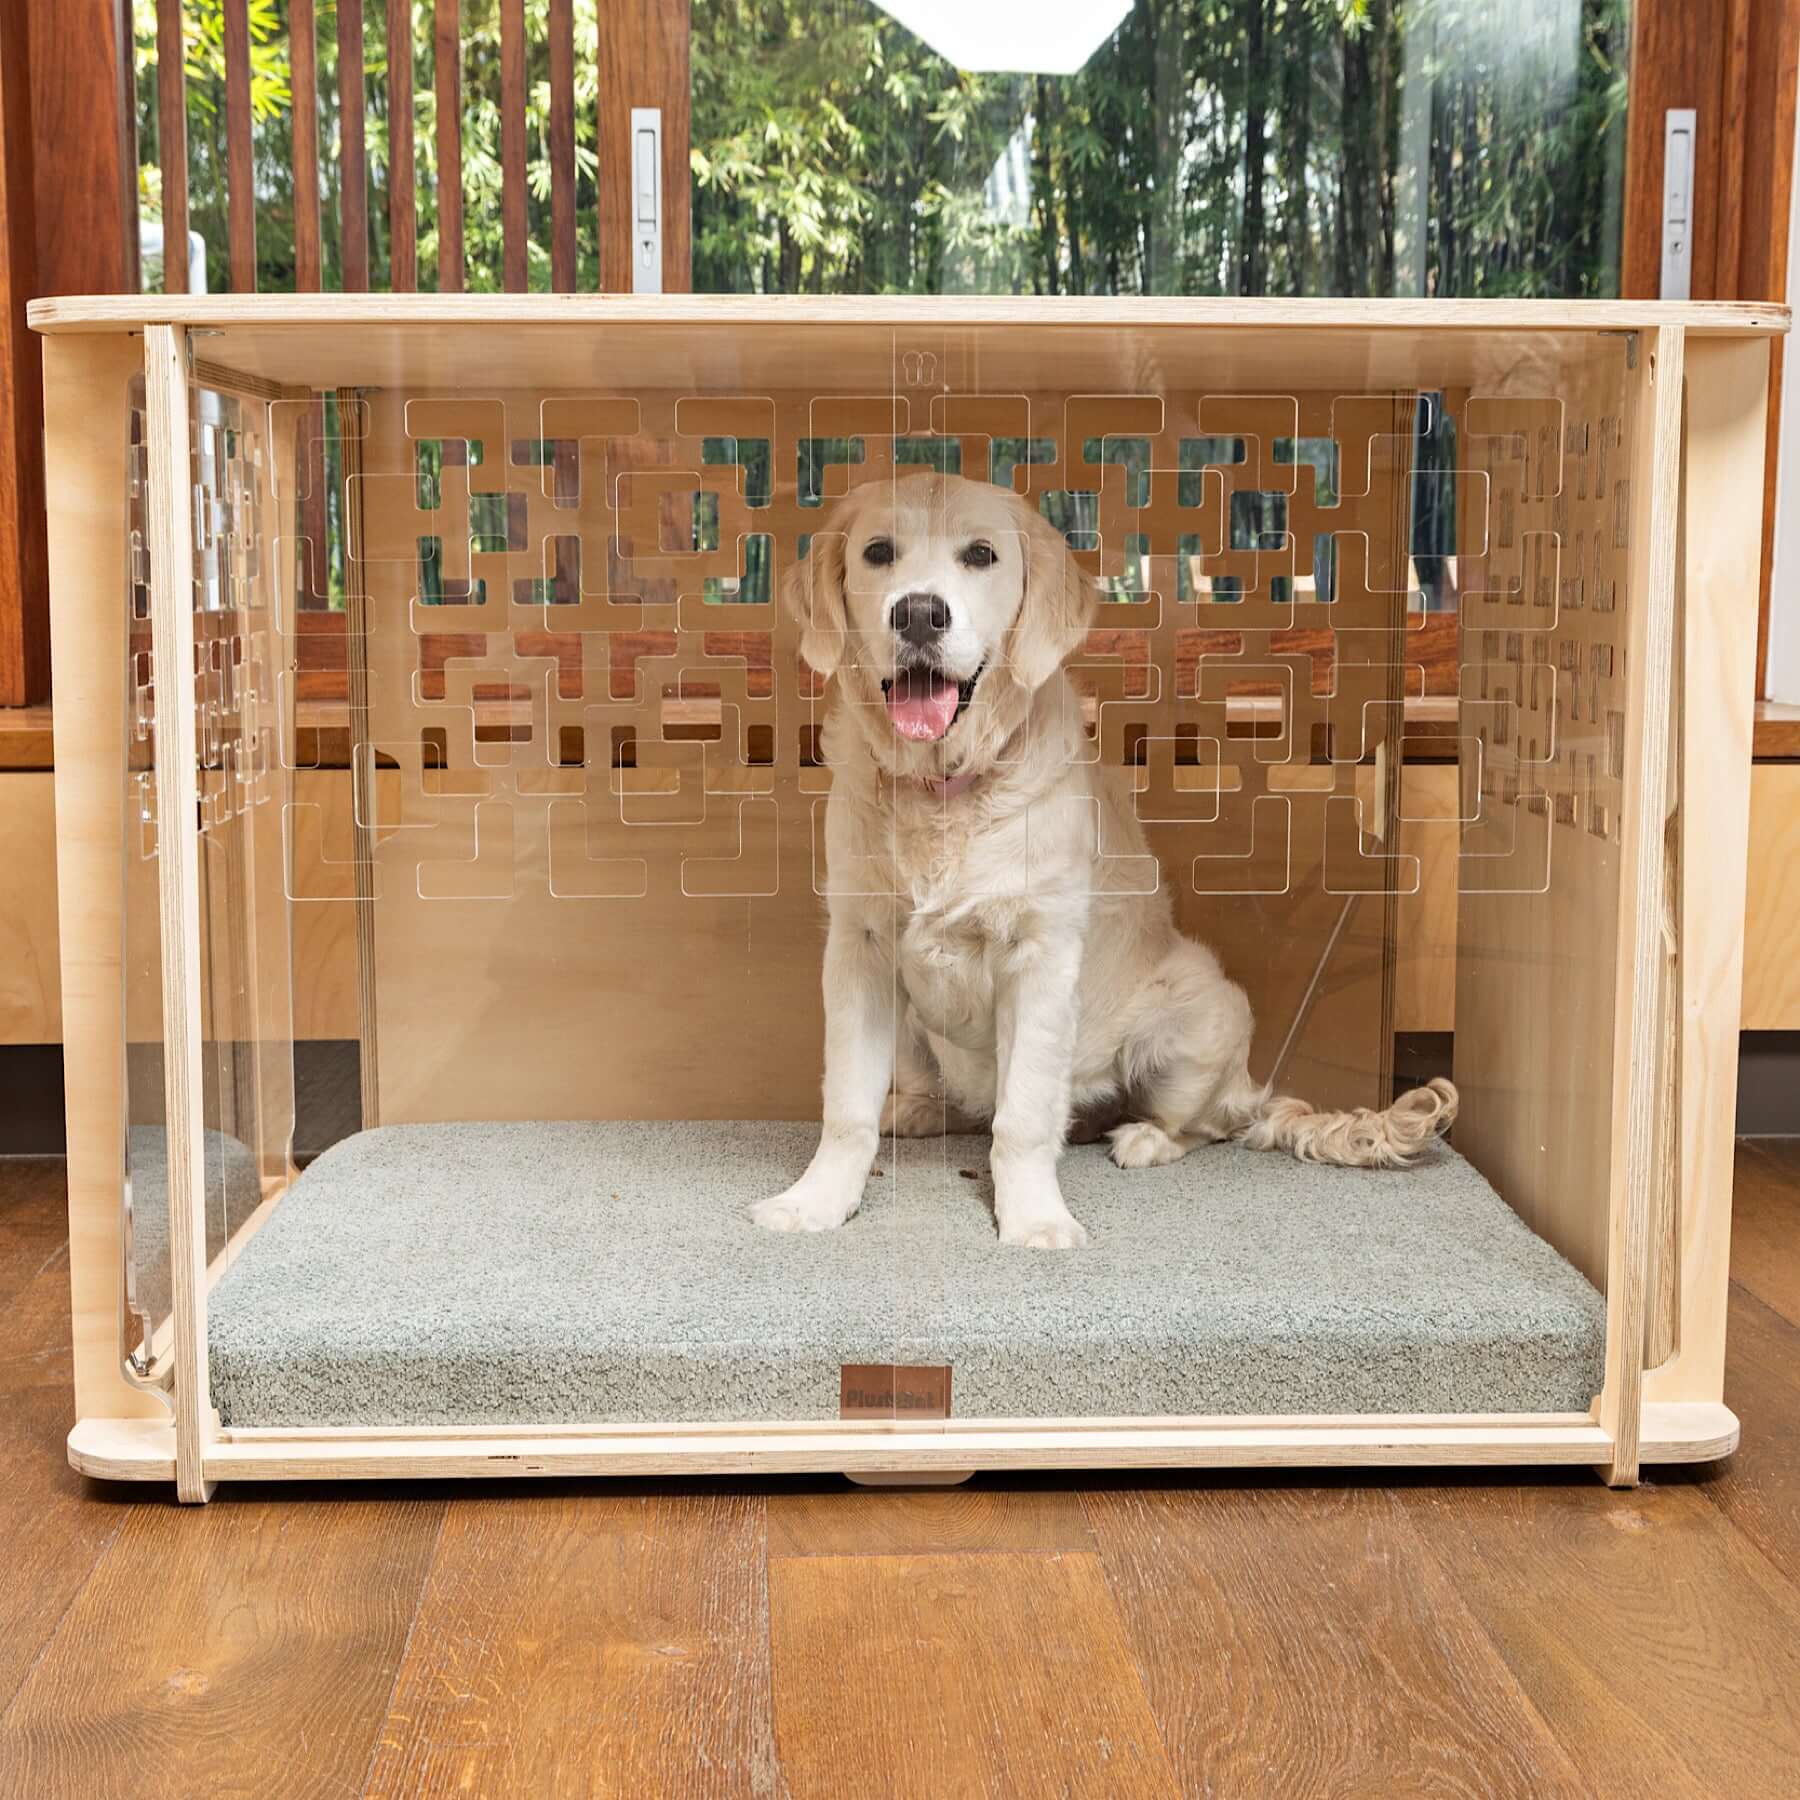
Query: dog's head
[935,597]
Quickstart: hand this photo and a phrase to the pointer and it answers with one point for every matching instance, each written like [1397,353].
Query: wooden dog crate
[471,607]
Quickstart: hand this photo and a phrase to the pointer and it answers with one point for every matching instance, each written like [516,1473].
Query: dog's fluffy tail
[1363,1139]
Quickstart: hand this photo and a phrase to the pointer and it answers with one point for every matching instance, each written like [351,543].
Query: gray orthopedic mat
[592,1273]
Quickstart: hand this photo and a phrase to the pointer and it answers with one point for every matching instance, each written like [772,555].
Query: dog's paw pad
[1054,1233]
[796,1212]
[1142,1145]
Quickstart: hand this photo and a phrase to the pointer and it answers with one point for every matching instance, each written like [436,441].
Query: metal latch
[1678,203]
[646,200]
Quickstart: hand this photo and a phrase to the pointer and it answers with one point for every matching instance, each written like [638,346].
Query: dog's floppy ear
[1057,608]
[813,592]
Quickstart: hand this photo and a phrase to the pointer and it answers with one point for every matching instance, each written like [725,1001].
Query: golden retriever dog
[994,952]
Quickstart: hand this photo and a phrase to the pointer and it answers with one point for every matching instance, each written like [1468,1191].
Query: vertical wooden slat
[403,218]
[122,95]
[562,146]
[1677,59]
[353,204]
[512,142]
[352,411]
[643,56]
[1727,400]
[1774,64]
[83,135]
[178,876]
[1734,122]
[24,585]
[303,55]
[171,127]
[76,233]
[1656,503]
[240,174]
[84,377]
[447,78]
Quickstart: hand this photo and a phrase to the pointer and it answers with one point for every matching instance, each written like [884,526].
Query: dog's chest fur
[973,881]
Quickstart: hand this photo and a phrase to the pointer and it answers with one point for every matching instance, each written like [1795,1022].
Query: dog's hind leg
[1180,1101]
[915,1106]
[1189,1075]
[1179,1069]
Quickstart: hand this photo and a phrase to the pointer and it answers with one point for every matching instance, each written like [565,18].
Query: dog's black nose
[918,618]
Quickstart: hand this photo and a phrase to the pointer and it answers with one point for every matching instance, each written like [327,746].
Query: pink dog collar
[948,787]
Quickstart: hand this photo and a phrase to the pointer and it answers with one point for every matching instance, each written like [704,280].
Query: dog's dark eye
[978,556]
[878,552]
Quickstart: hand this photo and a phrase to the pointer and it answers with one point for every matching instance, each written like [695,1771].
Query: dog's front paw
[1042,1227]
[804,1207]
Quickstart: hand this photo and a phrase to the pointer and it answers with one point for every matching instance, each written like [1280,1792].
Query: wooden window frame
[1734,62]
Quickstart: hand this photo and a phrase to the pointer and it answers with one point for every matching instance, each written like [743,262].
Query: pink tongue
[922,706]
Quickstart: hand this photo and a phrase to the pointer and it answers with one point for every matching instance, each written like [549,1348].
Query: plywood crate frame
[1695,379]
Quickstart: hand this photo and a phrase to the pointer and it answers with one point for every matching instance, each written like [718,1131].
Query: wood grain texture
[628,1655]
[34,1224]
[325,977]
[1777,725]
[1651,1632]
[1013,1515]
[169,458]
[1537,1049]
[171,134]
[1343,1663]
[24,585]
[83,444]
[731,344]
[240,171]
[120,1448]
[1717,572]
[101,310]
[514,224]
[1638,1079]
[1425,975]
[52,1525]
[1771,918]
[82,123]
[211,1651]
[403,212]
[54,1529]
[1758,1490]
[446,40]
[35,1347]
[30,980]
[356,611]
[25,740]
[1765,1230]
[303,54]
[1734,148]
[1773,66]
[562,147]
[1662,1651]
[643,61]
[353,154]
[1678,52]
[327,997]
[938,1675]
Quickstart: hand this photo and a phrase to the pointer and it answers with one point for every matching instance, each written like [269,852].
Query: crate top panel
[753,343]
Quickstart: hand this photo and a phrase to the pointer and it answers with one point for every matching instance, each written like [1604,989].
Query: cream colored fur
[998,955]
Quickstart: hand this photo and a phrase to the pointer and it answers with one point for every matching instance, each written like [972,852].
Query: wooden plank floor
[1192,1634]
